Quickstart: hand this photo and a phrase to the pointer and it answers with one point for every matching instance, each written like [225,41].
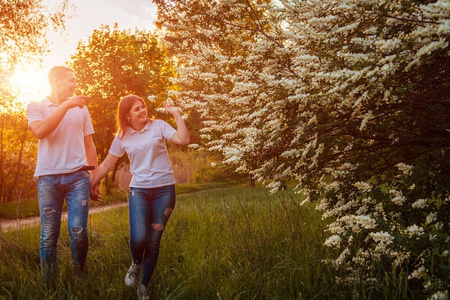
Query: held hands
[95,193]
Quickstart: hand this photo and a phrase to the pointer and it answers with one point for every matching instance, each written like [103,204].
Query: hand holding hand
[95,193]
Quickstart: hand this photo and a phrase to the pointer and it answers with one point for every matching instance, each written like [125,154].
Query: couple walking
[67,170]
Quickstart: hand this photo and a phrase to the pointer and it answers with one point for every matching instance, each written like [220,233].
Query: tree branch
[408,20]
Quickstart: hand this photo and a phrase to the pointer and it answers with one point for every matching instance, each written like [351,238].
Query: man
[66,152]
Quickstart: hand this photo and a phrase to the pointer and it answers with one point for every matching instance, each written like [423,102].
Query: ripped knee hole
[168,211]
[49,210]
[77,229]
[157,226]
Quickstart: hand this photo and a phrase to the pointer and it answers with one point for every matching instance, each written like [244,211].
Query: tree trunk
[252,181]
[17,173]
[1,157]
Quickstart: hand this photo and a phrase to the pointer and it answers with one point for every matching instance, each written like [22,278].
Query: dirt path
[8,225]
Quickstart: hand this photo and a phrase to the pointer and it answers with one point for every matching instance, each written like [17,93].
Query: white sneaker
[132,274]
[142,293]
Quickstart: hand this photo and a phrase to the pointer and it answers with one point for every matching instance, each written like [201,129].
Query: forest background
[348,100]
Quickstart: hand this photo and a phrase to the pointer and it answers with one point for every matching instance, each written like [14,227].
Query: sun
[30,83]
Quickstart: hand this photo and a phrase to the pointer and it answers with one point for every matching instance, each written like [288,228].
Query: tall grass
[234,243]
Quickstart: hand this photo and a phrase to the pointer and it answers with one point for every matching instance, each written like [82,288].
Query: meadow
[227,243]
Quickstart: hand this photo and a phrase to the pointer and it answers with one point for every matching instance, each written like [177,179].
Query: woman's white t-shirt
[147,152]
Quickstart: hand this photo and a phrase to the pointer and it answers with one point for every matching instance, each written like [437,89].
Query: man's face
[67,84]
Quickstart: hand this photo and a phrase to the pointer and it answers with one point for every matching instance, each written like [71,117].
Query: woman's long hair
[123,109]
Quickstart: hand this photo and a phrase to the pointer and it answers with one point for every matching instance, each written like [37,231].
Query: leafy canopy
[23,29]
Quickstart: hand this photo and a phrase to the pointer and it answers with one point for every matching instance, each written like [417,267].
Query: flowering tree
[348,98]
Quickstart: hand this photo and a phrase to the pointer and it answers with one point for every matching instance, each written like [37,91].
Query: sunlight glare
[30,83]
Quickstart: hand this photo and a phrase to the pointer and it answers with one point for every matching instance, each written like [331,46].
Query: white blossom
[363,186]
[414,230]
[418,273]
[439,295]
[334,240]
[382,237]
[431,217]
[398,199]
[407,170]
[420,203]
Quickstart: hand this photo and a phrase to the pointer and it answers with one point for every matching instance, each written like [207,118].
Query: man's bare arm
[91,153]
[42,129]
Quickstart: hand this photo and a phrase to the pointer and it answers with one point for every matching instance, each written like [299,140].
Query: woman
[152,187]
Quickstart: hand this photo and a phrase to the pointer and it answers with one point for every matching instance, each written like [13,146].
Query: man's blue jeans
[149,210]
[52,190]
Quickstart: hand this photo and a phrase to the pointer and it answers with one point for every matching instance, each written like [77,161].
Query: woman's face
[138,113]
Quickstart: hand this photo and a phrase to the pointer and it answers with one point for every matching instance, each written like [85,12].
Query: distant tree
[114,63]
[23,29]
[17,156]
[348,98]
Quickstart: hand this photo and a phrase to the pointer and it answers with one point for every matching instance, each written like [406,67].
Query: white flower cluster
[440,295]
[334,240]
[363,186]
[398,199]
[418,273]
[414,230]
[382,237]
[420,203]
[407,170]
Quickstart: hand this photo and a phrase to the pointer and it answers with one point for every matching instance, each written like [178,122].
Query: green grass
[186,188]
[24,208]
[232,243]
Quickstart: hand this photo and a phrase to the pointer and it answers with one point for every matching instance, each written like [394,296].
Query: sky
[88,15]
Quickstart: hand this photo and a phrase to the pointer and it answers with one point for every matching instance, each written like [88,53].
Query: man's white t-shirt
[147,152]
[62,151]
